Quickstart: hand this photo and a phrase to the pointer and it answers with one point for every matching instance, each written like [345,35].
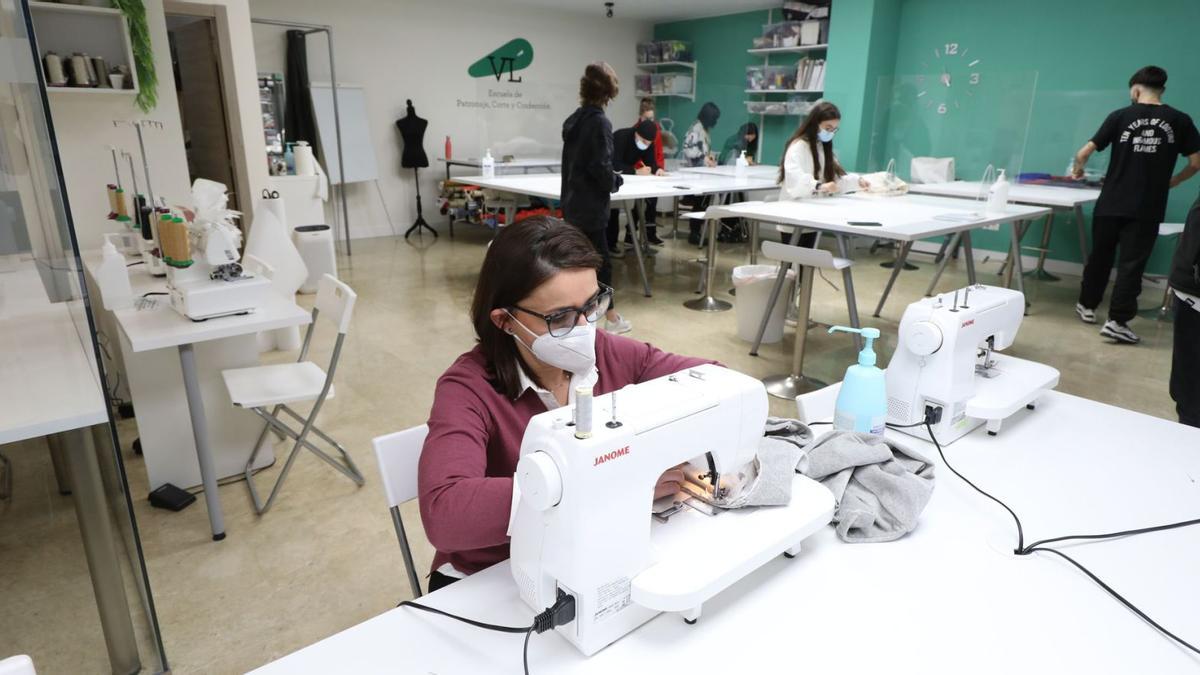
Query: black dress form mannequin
[412,156]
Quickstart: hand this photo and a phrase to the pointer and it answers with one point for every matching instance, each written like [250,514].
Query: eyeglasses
[563,321]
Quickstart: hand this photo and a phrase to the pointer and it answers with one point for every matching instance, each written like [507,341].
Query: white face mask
[642,145]
[575,352]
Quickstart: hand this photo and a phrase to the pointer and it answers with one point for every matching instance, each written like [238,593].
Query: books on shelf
[810,74]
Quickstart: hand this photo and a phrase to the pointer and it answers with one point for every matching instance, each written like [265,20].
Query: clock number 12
[951,49]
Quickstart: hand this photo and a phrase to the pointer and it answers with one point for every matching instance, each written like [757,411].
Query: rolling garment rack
[309,29]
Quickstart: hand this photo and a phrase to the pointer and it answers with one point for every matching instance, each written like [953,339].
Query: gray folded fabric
[881,487]
[766,481]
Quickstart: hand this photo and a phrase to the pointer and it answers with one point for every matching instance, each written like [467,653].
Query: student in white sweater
[810,166]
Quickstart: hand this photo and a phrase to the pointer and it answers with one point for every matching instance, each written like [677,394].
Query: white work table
[761,171]
[522,164]
[904,218]
[50,380]
[1053,196]
[948,598]
[633,189]
[155,325]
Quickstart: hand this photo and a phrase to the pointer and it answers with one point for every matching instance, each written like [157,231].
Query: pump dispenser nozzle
[866,357]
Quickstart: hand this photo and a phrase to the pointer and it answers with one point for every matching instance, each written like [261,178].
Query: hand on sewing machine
[669,483]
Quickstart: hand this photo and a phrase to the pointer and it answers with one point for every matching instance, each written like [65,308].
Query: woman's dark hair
[709,114]
[1150,77]
[521,258]
[751,147]
[821,112]
[598,85]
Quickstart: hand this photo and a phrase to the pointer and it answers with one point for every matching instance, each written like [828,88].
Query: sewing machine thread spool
[121,207]
[112,200]
[583,412]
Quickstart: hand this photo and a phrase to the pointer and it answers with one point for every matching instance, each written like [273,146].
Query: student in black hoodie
[1185,282]
[633,154]
[588,179]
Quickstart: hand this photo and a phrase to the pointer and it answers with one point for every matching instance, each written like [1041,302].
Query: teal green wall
[1054,69]
[1049,73]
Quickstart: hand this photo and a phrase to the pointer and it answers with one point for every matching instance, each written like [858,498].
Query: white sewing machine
[214,285]
[582,523]
[945,361]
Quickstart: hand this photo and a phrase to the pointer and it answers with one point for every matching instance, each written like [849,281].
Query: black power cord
[562,612]
[1040,546]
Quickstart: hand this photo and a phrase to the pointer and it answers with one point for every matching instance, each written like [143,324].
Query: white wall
[420,50]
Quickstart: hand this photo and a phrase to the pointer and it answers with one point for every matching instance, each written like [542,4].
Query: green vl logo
[512,56]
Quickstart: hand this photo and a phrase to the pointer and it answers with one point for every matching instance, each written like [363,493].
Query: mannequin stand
[420,222]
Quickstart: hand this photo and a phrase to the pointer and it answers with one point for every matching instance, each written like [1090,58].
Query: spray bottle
[862,402]
[998,194]
[488,164]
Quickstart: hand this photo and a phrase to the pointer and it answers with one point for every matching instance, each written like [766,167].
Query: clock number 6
[951,49]
[941,108]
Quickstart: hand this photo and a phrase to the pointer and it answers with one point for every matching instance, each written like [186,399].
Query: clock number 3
[974,78]
[951,49]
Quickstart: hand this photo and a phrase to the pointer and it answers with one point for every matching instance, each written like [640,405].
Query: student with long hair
[810,166]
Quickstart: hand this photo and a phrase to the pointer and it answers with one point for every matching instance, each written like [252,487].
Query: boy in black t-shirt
[1146,138]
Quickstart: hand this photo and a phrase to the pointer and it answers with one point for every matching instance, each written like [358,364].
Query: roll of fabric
[305,163]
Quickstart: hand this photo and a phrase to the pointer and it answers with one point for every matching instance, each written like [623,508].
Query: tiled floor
[325,557]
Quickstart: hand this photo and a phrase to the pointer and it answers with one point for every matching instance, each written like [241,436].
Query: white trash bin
[753,284]
[315,244]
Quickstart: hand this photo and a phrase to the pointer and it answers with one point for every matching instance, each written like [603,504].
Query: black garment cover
[412,130]
[299,122]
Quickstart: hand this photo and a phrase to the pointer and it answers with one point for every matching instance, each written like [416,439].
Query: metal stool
[1163,312]
[807,259]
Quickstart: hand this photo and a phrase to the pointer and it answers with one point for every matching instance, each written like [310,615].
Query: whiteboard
[356,134]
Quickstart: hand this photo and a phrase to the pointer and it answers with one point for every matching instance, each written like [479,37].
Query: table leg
[754,241]
[1082,227]
[780,279]
[637,248]
[100,549]
[208,473]
[708,303]
[948,251]
[969,256]
[1015,269]
[792,385]
[848,284]
[1040,272]
[901,257]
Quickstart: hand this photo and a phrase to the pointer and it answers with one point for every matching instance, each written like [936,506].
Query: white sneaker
[1115,330]
[621,325]
[1085,315]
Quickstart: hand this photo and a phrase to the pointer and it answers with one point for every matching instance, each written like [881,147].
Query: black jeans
[1136,241]
[614,222]
[438,580]
[1185,364]
[600,240]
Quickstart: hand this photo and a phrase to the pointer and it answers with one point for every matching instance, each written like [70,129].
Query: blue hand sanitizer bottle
[862,402]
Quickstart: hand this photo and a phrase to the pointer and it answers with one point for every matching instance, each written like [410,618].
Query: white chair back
[17,665]
[335,301]
[817,406]
[397,454]
[257,266]
[798,255]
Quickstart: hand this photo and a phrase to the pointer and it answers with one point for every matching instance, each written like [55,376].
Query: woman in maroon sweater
[535,306]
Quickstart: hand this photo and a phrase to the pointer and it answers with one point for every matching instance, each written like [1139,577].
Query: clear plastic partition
[980,119]
[1063,121]
[519,121]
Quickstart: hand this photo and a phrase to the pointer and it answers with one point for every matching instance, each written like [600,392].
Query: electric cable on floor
[1039,546]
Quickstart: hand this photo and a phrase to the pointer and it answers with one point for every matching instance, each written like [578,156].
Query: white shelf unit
[767,51]
[95,31]
[683,65]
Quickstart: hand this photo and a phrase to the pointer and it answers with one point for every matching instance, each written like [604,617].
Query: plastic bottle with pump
[488,165]
[112,276]
[998,194]
[740,165]
[862,401]
[289,158]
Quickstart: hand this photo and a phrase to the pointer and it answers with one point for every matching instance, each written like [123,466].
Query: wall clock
[954,77]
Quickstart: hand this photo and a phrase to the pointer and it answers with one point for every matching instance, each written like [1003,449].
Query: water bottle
[488,165]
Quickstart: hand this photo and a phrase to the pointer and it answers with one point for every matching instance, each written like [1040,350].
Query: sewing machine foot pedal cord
[1040,546]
